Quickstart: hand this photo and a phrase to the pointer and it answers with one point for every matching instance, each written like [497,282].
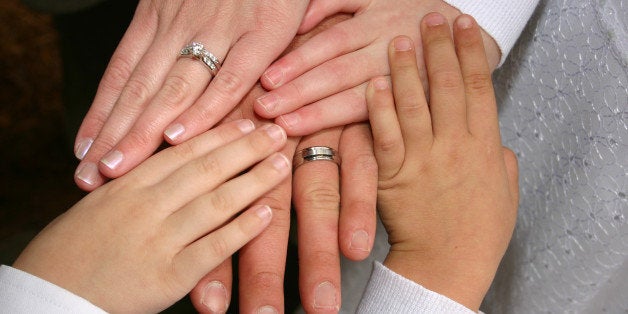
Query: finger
[358,192]
[481,105]
[339,109]
[331,77]
[320,9]
[242,67]
[133,45]
[207,172]
[203,255]
[262,261]
[512,170]
[212,294]
[412,110]
[339,39]
[447,103]
[181,87]
[211,210]
[388,145]
[316,200]
[158,167]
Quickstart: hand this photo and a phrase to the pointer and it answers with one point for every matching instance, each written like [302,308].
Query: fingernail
[403,44]
[268,102]
[264,212]
[380,83]
[275,132]
[464,22]
[325,296]
[113,159]
[434,19]
[274,76]
[87,173]
[174,131]
[290,119]
[360,241]
[215,297]
[267,309]
[280,162]
[82,147]
[246,126]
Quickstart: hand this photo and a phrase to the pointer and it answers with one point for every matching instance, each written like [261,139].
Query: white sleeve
[504,20]
[389,292]
[21,292]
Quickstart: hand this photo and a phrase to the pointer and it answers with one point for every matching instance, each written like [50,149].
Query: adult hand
[143,241]
[329,73]
[335,211]
[147,88]
[448,190]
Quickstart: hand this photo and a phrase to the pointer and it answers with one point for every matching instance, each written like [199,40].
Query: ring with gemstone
[198,51]
[315,153]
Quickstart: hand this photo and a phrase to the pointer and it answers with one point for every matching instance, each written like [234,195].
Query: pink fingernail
[268,102]
[290,120]
[280,162]
[82,147]
[274,76]
[434,19]
[325,296]
[275,132]
[464,22]
[113,159]
[246,126]
[264,212]
[174,131]
[403,44]
[360,241]
[380,83]
[215,297]
[87,173]
[267,309]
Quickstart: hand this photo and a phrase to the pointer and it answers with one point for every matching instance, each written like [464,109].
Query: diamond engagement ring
[315,153]
[198,51]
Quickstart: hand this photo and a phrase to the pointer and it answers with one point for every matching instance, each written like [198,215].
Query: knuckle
[479,83]
[118,71]
[320,197]
[219,247]
[141,137]
[227,85]
[136,89]
[174,91]
[221,201]
[209,165]
[366,162]
[266,280]
[446,80]
[184,150]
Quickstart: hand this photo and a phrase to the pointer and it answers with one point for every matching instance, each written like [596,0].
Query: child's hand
[143,241]
[447,189]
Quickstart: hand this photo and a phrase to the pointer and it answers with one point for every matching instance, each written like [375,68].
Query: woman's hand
[447,190]
[148,88]
[329,73]
[143,241]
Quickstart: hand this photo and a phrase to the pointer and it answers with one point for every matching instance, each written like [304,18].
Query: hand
[335,211]
[141,242]
[329,73]
[147,88]
[447,189]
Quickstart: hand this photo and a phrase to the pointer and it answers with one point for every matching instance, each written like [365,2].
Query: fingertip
[273,77]
[82,146]
[174,133]
[464,21]
[87,176]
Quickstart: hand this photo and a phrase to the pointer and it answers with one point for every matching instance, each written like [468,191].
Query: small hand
[143,241]
[148,89]
[447,189]
[322,84]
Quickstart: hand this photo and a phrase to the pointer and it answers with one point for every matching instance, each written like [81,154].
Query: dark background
[50,66]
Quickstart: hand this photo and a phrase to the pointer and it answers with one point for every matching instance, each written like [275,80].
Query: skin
[142,242]
[447,189]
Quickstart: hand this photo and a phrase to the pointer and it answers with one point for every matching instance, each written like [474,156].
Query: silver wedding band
[197,50]
[315,153]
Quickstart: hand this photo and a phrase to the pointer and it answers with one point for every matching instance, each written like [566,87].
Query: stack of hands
[429,158]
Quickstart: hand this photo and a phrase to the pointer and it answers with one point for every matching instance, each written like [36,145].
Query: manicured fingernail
[82,147]
[403,44]
[291,119]
[268,102]
[464,22]
[215,297]
[380,83]
[246,126]
[274,76]
[275,132]
[264,212]
[174,131]
[87,173]
[325,296]
[280,162]
[434,19]
[267,309]
[360,241]
[113,159]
